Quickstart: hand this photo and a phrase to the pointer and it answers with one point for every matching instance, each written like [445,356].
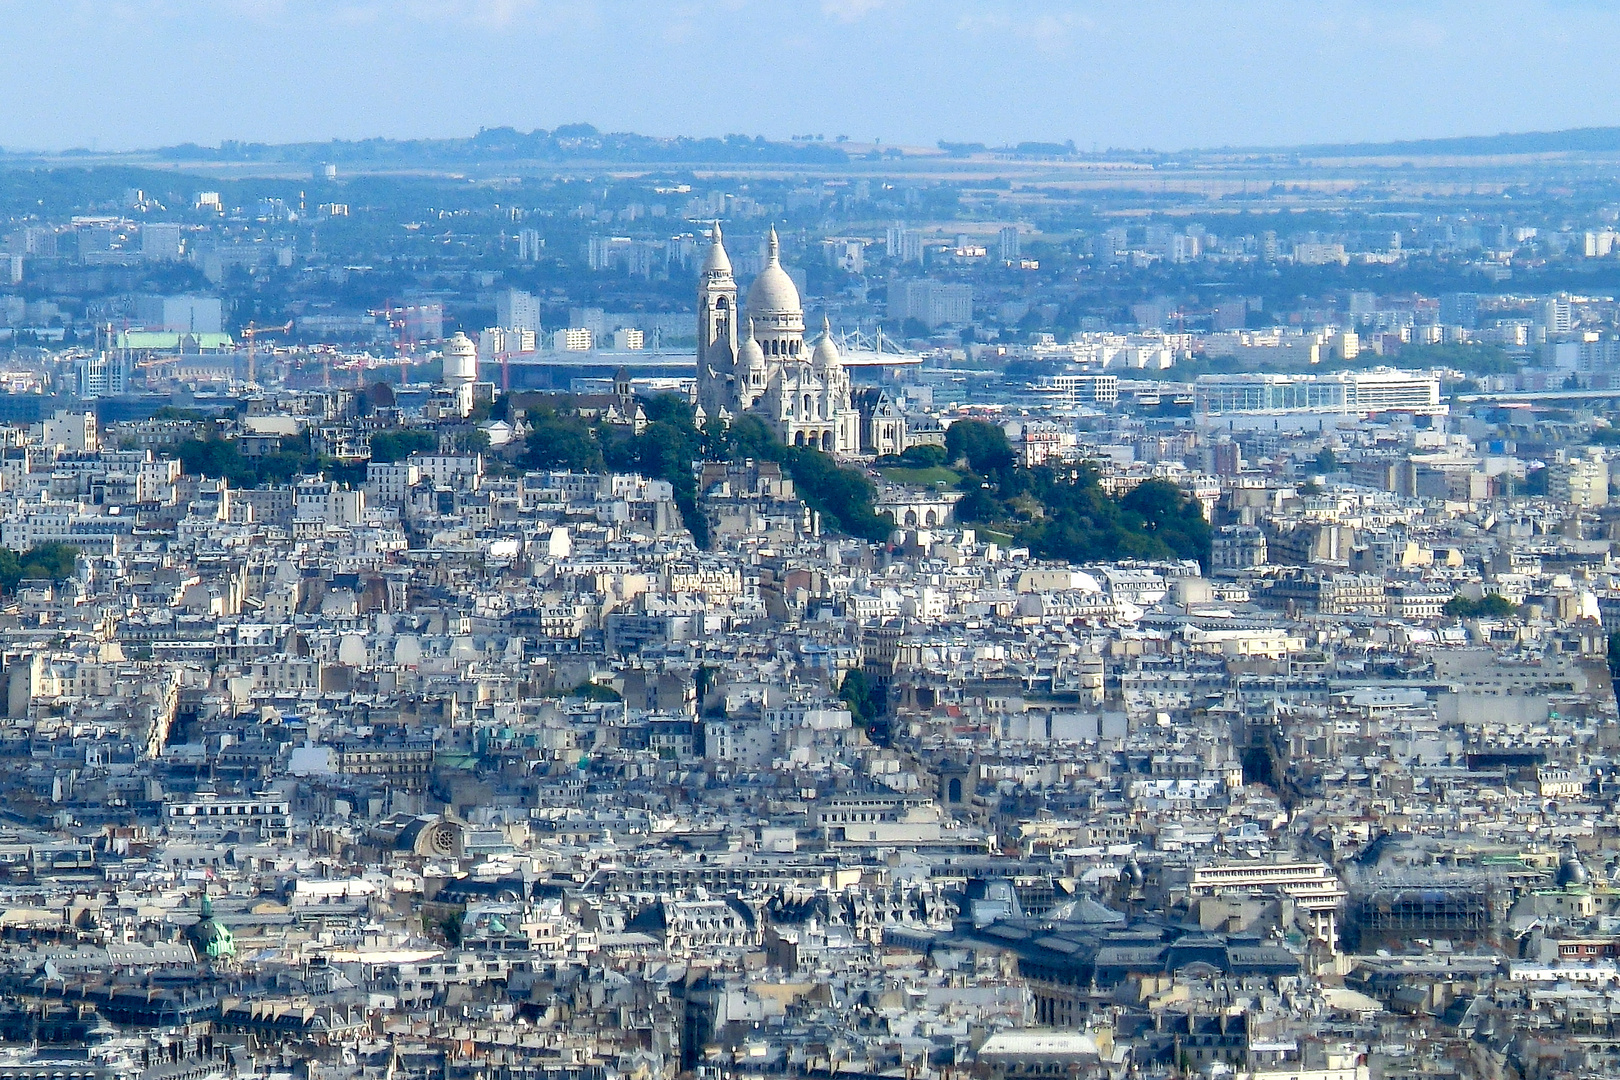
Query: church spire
[773,251]
[717,263]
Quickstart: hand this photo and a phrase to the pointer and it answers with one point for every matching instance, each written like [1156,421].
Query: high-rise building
[1580,480]
[848,255]
[1230,315]
[593,319]
[1556,315]
[94,240]
[904,244]
[1459,309]
[1226,458]
[423,322]
[499,341]
[529,245]
[1011,249]
[181,314]
[573,339]
[161,240]
[517,310]
[933,303]
[1183,247]
[101,374]
[607,252]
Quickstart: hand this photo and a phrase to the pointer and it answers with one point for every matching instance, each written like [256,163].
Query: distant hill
[572,142]
[1597,140]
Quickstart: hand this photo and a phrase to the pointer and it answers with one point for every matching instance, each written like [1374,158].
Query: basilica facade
[754,359]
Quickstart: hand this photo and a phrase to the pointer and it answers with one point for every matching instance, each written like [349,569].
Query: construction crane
[251,332]
[395,319]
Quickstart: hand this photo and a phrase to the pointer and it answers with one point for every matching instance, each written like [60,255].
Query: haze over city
[1166,74]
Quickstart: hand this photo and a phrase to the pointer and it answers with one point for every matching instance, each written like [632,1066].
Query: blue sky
[1167,74]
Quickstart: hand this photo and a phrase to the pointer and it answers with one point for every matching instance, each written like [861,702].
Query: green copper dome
[209,937]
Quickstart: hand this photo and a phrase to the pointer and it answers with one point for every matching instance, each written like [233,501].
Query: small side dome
[826,353]
[749,353]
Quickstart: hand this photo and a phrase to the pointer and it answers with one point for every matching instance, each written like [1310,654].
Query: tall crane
[395,319]
[251,332]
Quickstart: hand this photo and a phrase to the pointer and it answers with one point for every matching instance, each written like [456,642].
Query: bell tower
[717,330]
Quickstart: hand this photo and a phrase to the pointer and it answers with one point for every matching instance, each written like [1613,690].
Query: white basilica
[803,396]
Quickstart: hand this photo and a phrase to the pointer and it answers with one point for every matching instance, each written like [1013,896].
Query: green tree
[982,445]
[671,407]
[472,440]
[561,442]
[979,504]
[862,698]
[397,444]
[923,456]
[595,691]
[53,561]
[218,459]
[1170,516]
[843,497]
[1490,606]
[1469,359]
[1078,521]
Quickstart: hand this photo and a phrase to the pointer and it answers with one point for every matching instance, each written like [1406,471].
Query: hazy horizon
[1169,75]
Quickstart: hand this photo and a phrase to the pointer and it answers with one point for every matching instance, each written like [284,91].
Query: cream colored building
[756,361]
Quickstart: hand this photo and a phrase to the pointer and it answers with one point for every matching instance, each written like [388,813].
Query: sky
[1160,74]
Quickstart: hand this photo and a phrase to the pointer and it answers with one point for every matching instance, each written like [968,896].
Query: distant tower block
[460,361]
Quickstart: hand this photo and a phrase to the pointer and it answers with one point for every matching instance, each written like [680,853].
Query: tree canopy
[52,561]
[397,444]
[983,446]
[222,459]
[1492,606]
[1064,513]
[671,442]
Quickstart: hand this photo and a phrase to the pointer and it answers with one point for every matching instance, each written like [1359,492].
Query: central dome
[1571,871]
[773,292]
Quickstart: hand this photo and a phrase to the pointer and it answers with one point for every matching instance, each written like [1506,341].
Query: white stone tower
[717,331]
[460,361]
